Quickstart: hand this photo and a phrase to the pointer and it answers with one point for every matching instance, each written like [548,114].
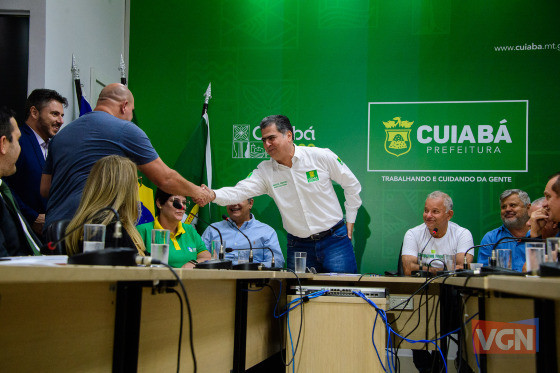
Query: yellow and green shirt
[185,244]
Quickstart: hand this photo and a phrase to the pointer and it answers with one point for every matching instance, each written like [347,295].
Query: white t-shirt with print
[456,240]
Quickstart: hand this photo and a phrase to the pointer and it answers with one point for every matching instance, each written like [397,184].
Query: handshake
[203,196]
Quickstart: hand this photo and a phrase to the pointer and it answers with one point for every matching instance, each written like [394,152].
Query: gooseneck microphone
[243,266]
[494,257]
[114,256]
[465,264]
[233,224]
[421,272]
[272,262]
[219,263]
[117,233]
[179,206]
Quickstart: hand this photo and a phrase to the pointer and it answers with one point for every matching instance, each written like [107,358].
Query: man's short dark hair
[556,185]
[282,123]
[41,98]
[5,124]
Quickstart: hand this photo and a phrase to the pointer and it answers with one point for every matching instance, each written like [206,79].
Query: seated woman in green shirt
[186,248]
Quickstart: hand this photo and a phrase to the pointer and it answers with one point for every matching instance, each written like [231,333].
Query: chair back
[54,233]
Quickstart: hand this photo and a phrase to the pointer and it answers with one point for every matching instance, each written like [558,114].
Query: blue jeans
[333,253]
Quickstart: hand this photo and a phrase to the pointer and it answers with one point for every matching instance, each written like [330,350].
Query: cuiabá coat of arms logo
[397,136]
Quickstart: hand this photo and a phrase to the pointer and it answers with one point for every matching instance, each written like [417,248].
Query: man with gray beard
[514,206]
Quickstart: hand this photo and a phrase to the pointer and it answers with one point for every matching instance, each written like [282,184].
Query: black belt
[321,235]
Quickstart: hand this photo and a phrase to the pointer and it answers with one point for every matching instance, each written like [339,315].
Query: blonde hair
[112,182]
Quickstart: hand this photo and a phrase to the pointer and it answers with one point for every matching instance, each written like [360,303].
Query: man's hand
[537,221]
[38,224]
[350,228]
[205,196]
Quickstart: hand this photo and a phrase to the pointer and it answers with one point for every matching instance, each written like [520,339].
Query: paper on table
[44,260]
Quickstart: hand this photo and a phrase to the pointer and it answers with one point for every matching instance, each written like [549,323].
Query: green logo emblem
[280,184]
[312,176]
[397,140]
[340,161]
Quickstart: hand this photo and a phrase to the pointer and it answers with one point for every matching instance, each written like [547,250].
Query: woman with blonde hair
[112,183]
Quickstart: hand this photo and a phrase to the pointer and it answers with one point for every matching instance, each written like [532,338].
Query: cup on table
[242,256]
[94,237]
[534,252]
[552,246]
[300,261]
[504,258]
[216,249]
[160,245]
[450,262]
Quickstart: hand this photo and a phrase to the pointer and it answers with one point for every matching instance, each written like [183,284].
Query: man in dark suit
[16,236]
[44,116]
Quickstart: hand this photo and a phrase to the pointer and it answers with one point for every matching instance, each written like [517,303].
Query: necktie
[6,194]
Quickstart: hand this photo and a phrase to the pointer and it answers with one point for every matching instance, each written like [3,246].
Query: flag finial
[75,71]
[122,67]
[208,93]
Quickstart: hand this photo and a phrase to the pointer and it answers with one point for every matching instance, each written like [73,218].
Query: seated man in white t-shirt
[436,237]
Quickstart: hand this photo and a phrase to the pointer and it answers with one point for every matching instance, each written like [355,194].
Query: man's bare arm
[45,185]
[171,181]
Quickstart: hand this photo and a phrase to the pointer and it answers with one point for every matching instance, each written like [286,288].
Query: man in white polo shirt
[299,179]
[435,237]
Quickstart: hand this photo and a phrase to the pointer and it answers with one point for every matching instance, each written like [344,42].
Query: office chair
[54,233]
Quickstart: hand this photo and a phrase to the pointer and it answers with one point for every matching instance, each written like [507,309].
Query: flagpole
[76,76]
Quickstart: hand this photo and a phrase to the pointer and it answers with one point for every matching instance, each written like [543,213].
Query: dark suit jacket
[26,182]
[12,238]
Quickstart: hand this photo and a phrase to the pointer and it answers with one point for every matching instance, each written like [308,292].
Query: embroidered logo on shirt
[312,176]
[250,174]
[340,161]
[280,184]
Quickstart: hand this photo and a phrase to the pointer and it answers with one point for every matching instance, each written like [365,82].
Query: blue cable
[291,342]
[374,346]
[391,331]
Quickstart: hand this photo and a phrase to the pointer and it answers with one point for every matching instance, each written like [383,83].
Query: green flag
[195,164]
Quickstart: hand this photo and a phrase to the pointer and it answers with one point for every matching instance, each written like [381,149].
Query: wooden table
[511,299]
[98,319]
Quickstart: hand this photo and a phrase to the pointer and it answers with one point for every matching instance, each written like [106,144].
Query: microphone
[243,266]
[225,217]
[493,258]
[219,263]
[117,234]
[465,264]
[178,205]
[272,263]
[421,272]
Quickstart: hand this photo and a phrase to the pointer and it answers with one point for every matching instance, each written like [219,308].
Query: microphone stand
[114,256]
[492,261]
[421,272]
[262,267]
[219,263]
[250,266]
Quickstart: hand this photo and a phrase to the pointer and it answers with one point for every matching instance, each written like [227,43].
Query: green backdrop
[332,67]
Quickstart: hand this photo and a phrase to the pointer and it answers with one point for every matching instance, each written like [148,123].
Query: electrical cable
[171,290]
[188,311]
[426,283]
[287,364]
[383,315]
